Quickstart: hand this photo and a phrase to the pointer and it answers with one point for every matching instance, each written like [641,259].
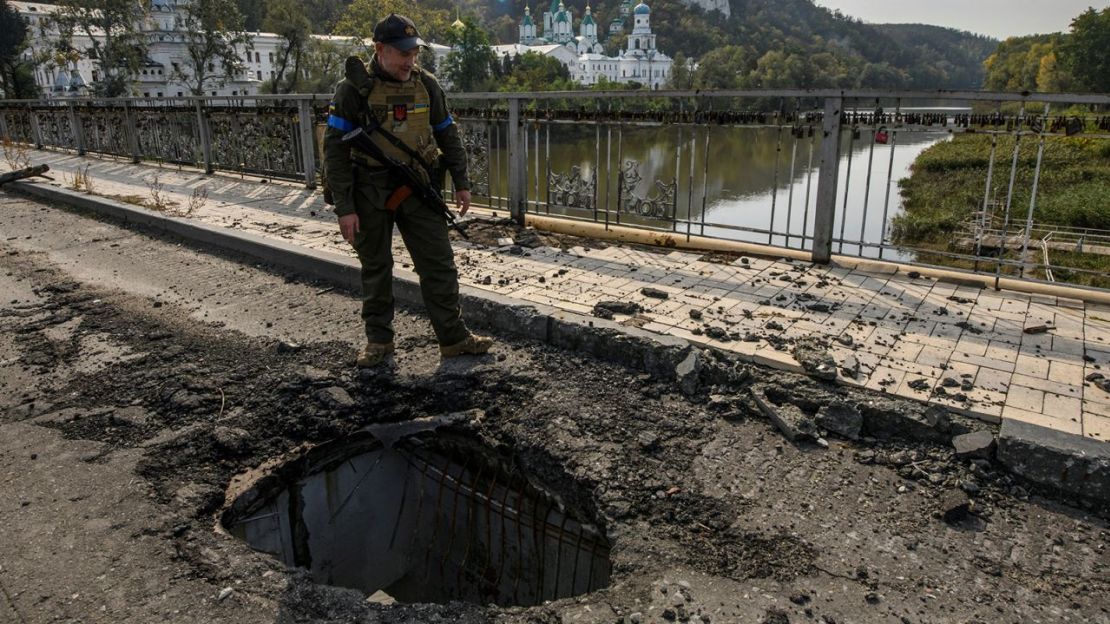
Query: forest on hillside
[765,43]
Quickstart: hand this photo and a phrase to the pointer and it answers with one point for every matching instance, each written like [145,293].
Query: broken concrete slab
[841,418]
[619,307]
[974,445]
[687,373]
[885,419]
[1068,462]
[814,357]
[790,420]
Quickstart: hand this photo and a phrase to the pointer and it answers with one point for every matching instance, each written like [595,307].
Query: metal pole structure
[36,128]
[517,181]
[705,179]
[1033,196]
[75,128]
[132,131]
[809,187]
[825,208]
[982,223]
[790,197]
[886,200]
[775,185]
[1009,198]
[308,142]
[847,183]
[4,127]
[867,195]
[205,138]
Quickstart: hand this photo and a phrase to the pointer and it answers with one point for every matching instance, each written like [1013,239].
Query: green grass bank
[948,183]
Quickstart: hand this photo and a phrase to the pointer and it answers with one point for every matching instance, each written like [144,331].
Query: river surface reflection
[758,180]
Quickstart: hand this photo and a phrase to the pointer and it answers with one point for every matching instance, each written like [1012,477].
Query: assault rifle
[29,172]
[412,182]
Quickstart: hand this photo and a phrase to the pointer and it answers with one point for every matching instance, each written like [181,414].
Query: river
[757,180]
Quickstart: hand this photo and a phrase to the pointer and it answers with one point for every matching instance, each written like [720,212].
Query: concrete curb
[1072,463]
[1069,462]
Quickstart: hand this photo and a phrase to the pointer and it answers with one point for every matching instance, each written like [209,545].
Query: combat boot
[473,344]
[374,353]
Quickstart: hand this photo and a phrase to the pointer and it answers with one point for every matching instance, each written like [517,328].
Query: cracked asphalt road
[138,376]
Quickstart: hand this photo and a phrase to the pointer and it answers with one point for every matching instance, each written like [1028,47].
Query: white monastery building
[163,29]
[584,54]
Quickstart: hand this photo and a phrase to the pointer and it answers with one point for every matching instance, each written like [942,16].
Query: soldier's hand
[348,227]
[462,201]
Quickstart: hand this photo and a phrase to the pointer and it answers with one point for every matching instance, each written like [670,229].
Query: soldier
[408,102]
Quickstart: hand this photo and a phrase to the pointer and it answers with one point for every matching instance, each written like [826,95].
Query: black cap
[399,32]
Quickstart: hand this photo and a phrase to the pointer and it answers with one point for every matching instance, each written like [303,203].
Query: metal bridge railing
[816,171]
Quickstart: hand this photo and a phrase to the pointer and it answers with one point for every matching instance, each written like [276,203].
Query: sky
[996,18]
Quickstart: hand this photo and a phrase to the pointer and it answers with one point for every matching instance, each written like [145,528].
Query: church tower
[641,39]
[527,28]
[562,31]
[588,29]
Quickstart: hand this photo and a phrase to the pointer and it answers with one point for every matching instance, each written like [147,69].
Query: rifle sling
[398,143]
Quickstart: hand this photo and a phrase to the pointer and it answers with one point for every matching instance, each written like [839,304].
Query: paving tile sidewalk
[958,346]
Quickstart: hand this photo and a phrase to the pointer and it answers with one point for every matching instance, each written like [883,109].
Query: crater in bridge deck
[432,517]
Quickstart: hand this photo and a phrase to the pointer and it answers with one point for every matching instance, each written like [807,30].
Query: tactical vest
[404,109]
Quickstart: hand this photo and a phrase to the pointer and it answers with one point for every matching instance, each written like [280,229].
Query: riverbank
[946,188]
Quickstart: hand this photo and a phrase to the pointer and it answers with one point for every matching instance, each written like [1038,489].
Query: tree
[113,28]
[287,18]
[254,11]
[723,68]
[1018,61]
[323,66]
[16,79]
[681,76]
[214,35]
[469,64]
[360,17]
[535,72]
[1086,51]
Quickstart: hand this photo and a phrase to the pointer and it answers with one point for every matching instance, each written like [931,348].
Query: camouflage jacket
[349,109]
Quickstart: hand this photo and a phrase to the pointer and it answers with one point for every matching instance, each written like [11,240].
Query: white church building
[584,54]
[162,27]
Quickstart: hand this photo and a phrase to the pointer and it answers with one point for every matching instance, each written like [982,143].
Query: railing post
[78,136]
[308,144]
[132,132]
[518,177]
[825,209]
[36,131]
[4,126]
[205,137]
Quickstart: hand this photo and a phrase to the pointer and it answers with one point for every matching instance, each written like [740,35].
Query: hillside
[785,43]
[955,53]
[762,43]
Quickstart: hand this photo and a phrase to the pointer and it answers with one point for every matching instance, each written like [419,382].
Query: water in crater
[426,518]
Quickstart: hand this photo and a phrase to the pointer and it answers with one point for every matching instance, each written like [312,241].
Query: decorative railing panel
[55,127]
[262,140]
[17,124]
[168,133]
[105,131]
